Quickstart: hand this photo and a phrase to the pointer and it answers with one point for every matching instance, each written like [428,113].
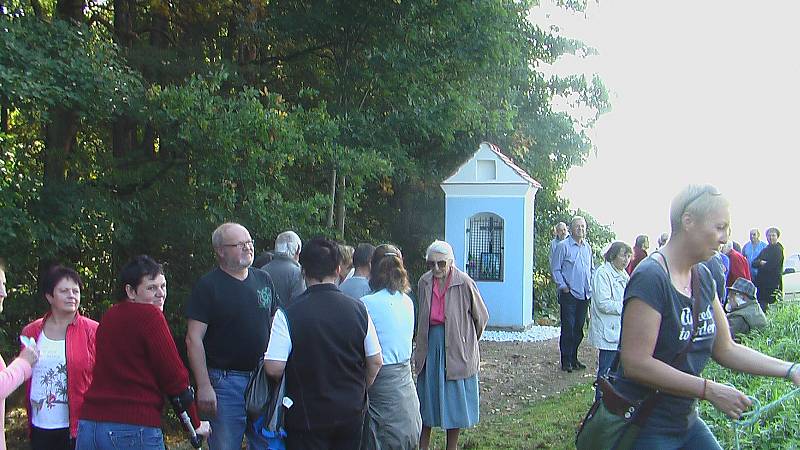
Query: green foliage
[779,429]
[60,64]
[139,130]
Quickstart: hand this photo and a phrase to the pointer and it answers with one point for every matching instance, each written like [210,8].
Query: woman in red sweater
[137,366]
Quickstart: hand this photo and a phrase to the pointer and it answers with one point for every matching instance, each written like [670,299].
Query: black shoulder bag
[613,421]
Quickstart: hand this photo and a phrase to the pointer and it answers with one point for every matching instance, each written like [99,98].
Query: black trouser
[343,437]
[766,296]
[58,439]
[573,317]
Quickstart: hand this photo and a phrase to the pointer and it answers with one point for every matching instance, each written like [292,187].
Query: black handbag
[613,422]
[257,394]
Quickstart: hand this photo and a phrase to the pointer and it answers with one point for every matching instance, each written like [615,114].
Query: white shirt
[280,343]
[49,407]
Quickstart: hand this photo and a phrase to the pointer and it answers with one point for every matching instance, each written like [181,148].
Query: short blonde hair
[696,199]
[346,254]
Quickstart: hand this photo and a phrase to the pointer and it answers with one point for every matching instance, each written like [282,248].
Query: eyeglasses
[710,190]
[440,264]
[242,245]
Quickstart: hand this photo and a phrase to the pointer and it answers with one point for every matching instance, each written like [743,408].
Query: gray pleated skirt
[445,403]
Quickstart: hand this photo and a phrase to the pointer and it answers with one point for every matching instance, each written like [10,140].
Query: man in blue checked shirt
[572,267]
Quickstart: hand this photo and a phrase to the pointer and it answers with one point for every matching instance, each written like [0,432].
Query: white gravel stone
[533,334]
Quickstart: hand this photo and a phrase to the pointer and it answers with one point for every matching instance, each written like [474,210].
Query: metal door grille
[485,250]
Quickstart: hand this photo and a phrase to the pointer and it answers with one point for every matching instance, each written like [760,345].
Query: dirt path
[514,373]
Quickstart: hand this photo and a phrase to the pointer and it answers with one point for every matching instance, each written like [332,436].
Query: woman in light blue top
[395,421]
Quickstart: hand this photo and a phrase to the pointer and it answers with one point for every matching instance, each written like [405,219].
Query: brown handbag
[614,421]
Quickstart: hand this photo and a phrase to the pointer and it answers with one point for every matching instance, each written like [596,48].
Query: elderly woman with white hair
[452,317]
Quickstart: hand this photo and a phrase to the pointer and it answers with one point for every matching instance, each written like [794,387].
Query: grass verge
[547,424]
[780,429]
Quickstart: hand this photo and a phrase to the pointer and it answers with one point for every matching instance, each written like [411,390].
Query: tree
[137,127]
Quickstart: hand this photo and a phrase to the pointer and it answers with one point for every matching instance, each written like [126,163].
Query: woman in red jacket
[739,267]
[137,366]
[639,252]
[60,379]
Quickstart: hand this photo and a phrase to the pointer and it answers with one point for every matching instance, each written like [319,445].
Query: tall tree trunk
[4,115]
[333,199]
[70,10]
[159,32]
[340,214]
[122,133]
[62,129]
[37,9]
[60,137]
[123,23]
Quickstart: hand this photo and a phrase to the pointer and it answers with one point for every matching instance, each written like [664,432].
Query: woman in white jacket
[608,287]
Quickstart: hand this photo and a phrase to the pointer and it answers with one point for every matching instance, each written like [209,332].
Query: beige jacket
[465,319]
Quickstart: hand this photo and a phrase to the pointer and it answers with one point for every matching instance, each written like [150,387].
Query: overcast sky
[702,92]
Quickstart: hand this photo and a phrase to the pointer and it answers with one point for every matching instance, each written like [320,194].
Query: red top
[80,360]
[137,366]
[437,300]
[739,268]
[638,256]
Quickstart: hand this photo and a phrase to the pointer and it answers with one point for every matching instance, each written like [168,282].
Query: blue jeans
[604,362]
[573,317]
[231,424]
[697,437]
[109,435]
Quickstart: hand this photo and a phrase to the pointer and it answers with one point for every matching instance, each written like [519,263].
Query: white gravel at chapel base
[533,334]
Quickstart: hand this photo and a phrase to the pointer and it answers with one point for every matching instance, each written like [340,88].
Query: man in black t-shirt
[228,317]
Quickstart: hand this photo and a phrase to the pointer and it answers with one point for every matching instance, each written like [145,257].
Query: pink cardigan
[11,377]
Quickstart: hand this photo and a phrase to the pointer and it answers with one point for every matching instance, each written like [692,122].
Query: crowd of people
[657,318]
[753,273]
[334,325]
[337,328]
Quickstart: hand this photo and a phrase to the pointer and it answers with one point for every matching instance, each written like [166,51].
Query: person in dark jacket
[744,312]
[769,263]
[327,345]
[284,268]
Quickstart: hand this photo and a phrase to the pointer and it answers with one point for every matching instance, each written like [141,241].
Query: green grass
[551,423]
[781,430]
[548,424]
